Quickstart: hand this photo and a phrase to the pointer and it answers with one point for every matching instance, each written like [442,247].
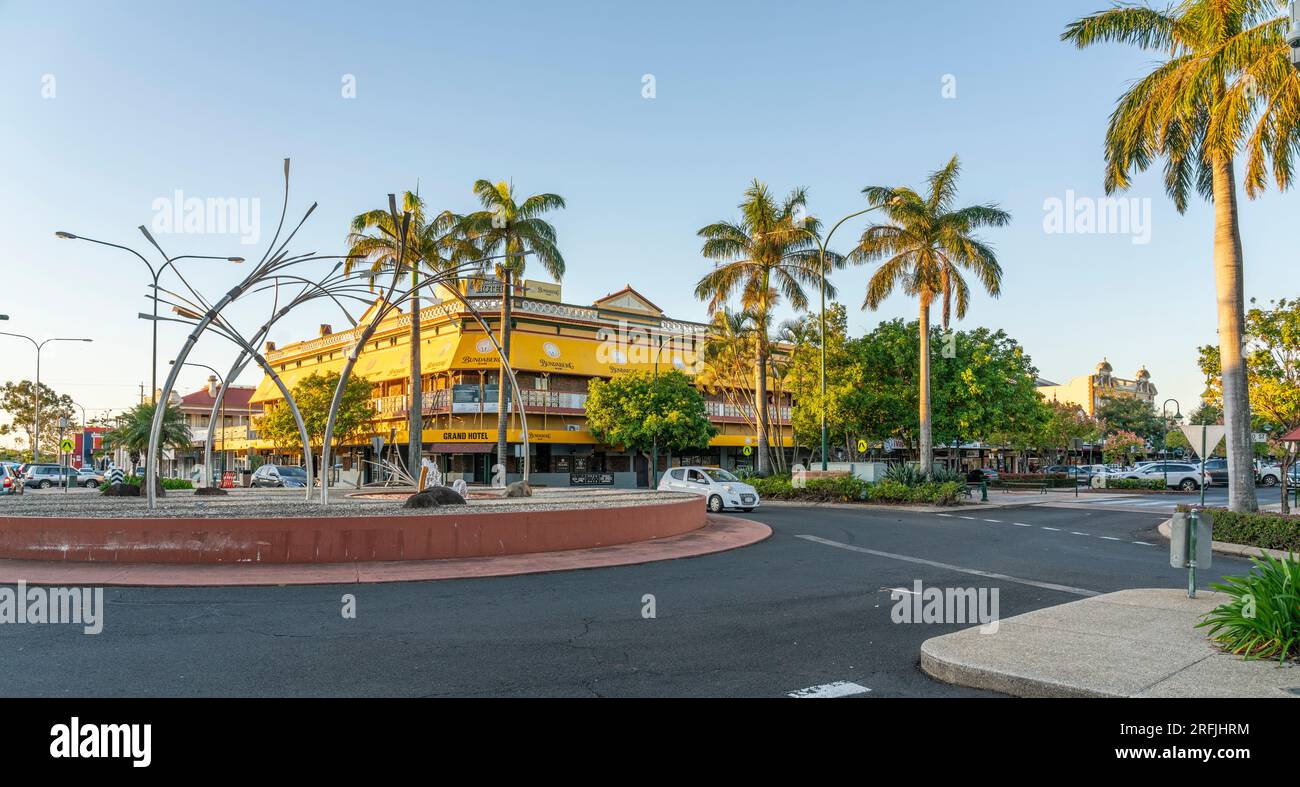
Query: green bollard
[984,490]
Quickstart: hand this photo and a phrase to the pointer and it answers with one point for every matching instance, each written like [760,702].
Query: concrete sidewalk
[1134,643]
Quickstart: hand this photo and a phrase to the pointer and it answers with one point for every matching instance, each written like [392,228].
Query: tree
[1273,365]
[770,253]
[1122,446]
[437,245]
[922,249]
[1062,423]
[313,394]
[637,410]
[505,227]
[131,430]
[19,400]
[1121,413]
[1225,85]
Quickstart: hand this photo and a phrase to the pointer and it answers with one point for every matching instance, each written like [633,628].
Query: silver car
[720,489]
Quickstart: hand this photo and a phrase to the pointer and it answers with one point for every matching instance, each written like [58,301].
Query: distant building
[234,424]
[1091,391]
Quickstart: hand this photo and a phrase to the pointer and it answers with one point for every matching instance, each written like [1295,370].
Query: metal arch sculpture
[391,298]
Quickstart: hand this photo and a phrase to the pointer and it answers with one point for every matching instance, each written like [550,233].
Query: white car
[1182,475]
[719,488]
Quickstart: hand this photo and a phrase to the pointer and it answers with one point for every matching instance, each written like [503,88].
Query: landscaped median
[851,489]
[1263,530]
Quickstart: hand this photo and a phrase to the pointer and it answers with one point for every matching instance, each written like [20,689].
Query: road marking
[1109,538]
[995,521]
[971,518]
[840,688]
[900,590]
[947,515]
[1077,533]
[1053,529]
[949,567]
[1144,543]
[1021,524]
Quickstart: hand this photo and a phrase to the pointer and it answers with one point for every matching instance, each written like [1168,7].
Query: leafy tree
[769,254]
[1273,363]
[1120,413]
[1122,446]
[19,400]
[313,395]
[435,244]
[1224,85]
[636,410]
[503,227]
[1062,423]
[130,430]
[921,251]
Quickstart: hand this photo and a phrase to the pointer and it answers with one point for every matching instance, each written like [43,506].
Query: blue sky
[154,97]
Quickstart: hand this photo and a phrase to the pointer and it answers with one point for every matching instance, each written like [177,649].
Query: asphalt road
[770,619]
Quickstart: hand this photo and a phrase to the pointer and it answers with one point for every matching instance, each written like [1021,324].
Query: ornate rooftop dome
[1104,367]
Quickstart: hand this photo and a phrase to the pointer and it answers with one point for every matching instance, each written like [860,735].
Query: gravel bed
[262,503]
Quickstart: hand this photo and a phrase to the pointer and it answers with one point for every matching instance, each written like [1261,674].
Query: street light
[36,392]
[207,458]
[1164,435]
[155,273]
[1293,36]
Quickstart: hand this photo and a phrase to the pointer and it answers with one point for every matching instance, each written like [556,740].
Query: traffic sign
[66,446]
[1212,435]
[862,446]
[747,450]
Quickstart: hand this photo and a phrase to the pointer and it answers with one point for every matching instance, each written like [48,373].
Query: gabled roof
[628,299]
[1292,436]
[236,399]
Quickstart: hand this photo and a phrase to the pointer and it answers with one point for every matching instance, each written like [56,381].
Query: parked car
[720,488]
[286,476]
[1268,475]
[1181,475]
[10,482]
[89,477]
[46,476]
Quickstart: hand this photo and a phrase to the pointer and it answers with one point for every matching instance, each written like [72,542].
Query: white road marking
[947,515]
[1144,543]
[840,688]
[1053,529]
[949,567]
[901,590]
[1021,524]
[971,518]
[995,521]
[1077,533]
[1109,538]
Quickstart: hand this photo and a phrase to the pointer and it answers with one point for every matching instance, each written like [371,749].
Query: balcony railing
[535,400]
[729,410]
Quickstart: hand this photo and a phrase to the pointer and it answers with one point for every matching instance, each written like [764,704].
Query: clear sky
[106,107]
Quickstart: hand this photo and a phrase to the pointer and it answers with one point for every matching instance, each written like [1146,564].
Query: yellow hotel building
[556,348]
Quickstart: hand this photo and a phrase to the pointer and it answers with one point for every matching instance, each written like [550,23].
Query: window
[678,474]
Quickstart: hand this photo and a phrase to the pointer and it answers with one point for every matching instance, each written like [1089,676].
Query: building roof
[236,399]
[1292,436]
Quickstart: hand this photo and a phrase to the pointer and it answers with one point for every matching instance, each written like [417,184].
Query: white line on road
[948,566]
[947,515]
[1021,524]
[1109,538]
[1144,543]
[1053,529]
[1077,533]
[971,518]
[840,688]
[995,521]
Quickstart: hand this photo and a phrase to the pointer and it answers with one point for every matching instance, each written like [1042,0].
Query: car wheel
[91,484]
[1269,480]
[715,504]
[45,485]
[1189,485]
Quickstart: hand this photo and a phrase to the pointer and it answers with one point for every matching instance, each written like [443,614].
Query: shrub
[905,473]
[168,483]
[1157,484]
[848,489]
[1053,480]
[1263,618]
[1271,531]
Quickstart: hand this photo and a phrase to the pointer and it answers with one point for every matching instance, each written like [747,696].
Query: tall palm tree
[1225,83]
[924,248]
[433,244]
[506,226]
[770,253]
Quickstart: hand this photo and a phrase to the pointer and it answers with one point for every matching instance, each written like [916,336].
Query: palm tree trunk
[760,388]
[415,402]
[926,442]
[947,300]
[503,383]
[1229,290]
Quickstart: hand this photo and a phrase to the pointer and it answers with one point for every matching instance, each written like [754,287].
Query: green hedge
[1053,480]
[1157,484]
[1271,531]
[848,489]
[168,483]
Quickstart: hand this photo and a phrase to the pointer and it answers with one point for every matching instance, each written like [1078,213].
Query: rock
[440,495]
[209,490]
[422,500]
[121,490]
[519,489]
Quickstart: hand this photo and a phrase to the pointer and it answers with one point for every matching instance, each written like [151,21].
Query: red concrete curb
[720,533]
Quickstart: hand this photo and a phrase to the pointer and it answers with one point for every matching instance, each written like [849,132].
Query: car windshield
[293,472]
[718,474]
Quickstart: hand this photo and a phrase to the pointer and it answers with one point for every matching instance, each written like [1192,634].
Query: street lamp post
[155,274]
[1164,436]
[36,392]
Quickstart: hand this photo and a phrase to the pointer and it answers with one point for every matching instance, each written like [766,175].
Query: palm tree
[435,244]
[131,430]
[507,227]
[1225,83]
[771,252]
[924,248]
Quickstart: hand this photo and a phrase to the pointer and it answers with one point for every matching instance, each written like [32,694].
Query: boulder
[519,489]
[445,495]
[209,490]
[121,490]
[424,499]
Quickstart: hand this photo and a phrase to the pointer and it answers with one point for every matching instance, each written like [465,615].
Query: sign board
[66,446]
[1213,436]
[228,479]
[862,446]
[1178,531]
[747,450]
[377,445]
[591,479]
